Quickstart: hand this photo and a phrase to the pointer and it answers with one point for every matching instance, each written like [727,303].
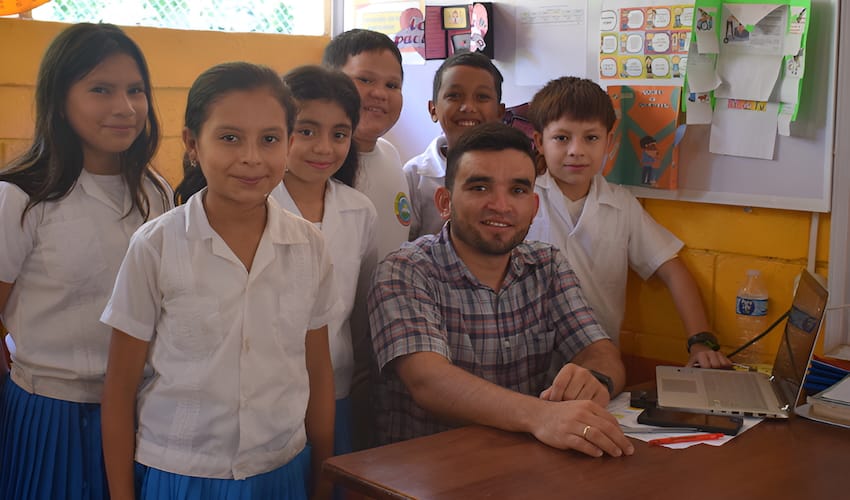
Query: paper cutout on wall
[644,150]
[458,28]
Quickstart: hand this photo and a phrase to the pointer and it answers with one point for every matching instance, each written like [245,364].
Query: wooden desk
[796,459]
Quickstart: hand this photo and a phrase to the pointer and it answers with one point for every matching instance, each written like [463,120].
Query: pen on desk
[686,439]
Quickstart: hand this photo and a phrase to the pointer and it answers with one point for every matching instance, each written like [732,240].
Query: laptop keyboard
[732,391]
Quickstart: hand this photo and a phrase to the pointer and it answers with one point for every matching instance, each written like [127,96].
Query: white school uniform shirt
[381,179]
[425,173]
[229,389]
[613,233]
[63,262]
[348,226]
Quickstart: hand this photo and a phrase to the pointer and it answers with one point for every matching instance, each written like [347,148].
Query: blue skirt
[49,448]
[288,481]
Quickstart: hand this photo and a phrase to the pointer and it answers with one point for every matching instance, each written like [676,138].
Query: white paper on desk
[627,415]
[744,128]
[544,30]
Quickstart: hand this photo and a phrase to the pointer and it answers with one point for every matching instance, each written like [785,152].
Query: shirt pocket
[71,250]
[611,261]
[193,325]
[292,321]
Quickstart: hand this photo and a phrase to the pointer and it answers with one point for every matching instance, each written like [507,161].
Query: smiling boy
[467,92]
[373,62]
[601,227]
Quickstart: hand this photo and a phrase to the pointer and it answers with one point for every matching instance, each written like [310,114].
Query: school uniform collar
[433,162]
[600,191]
[90,186]
[198,226]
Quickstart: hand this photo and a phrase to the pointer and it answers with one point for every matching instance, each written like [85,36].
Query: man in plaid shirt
[466,323]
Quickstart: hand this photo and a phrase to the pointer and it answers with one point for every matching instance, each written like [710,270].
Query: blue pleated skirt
[288,481]
[49,448]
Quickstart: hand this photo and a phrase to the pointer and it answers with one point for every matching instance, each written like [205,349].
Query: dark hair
[473,59]
[312,83]
[48,170]
[577,98]
[646,141]
[211,85]
[352,42]
[491,136]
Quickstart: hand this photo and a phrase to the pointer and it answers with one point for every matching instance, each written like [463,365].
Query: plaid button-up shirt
[424,299]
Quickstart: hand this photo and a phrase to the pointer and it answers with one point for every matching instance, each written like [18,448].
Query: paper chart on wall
[758,49]
[540,22]
[644,42]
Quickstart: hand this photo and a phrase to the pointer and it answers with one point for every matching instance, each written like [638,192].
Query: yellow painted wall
[721,241]
[175,58]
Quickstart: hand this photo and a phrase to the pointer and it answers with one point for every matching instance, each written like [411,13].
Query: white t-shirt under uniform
[348,226]
[425,173]
[229,391]
[63,261]
[613,233]
[381,179]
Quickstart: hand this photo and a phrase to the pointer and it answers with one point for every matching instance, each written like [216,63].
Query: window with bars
[297,17]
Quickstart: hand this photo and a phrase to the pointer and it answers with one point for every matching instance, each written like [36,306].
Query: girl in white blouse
[68,206]
[227,297]
[318,186]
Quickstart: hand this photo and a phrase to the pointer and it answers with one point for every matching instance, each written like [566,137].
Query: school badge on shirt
[402,209]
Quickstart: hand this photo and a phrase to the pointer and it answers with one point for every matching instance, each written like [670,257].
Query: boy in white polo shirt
[467,92]
[373,62]
[601,227]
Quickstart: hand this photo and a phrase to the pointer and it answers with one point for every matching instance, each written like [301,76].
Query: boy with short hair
[467,91]
[601,227]
[373,62]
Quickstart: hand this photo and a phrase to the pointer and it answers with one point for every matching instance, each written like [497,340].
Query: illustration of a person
[729,32]
[705,21]
[648,157]
[650,18]
[480,25]
[455,18]
[648,67]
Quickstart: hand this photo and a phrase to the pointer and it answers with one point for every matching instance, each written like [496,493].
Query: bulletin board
[799,178]
[800,175]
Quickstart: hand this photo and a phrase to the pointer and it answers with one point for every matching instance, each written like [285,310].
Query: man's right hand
[582,426]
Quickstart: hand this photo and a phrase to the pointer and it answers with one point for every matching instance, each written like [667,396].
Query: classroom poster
[403,21]
[644,150]
[644,43]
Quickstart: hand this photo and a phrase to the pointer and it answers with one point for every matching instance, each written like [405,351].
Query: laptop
[729,392]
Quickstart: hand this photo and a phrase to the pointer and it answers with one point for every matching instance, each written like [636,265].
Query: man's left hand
[573,383]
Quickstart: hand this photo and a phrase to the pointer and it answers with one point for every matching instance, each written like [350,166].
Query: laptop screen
[797,344]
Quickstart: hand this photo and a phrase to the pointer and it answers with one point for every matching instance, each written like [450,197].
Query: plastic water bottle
[751,311]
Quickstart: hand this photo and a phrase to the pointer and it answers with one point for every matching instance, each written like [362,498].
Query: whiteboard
[799,178]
